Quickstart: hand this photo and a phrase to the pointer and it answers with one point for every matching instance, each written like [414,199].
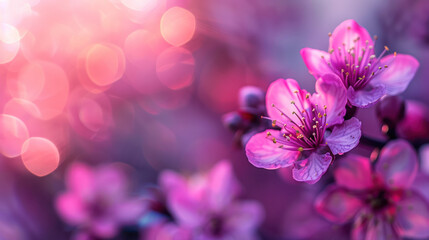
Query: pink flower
[97,200]
[305,140]
[381,199]
[207,206]
[351,57]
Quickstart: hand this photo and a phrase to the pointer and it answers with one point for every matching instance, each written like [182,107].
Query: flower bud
[251,98]
[390,110]
[415,124]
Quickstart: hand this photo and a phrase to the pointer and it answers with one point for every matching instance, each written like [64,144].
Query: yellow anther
[268,134]
[394,54]
[300,149]
[314,126]
[274,140]
[319,115]
[386,48]
[385,66]
[307,95]
[274,123]
[296,91]
[292,102]
[324,107]
[272,105]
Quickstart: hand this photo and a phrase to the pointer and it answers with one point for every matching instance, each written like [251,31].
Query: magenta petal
[373,227]
[401,70]
[346,34]
[344,137]
[71,208]
[354,172]
[263,153]
[104,228]
[316,61]
[129,211]
[397,164]
[113,174]
[171,181]
[367,96]
[281,93]
[244,217]
[421,185]
[310,170]
[80,179]
[223,186]
[412,216]
[332,94]
[186,209]
[337,204]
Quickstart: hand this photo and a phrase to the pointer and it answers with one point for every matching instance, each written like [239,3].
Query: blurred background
[146,82]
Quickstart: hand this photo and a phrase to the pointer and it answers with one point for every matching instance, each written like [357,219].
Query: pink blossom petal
[264,153]
[424,158]
[223,186]
[80,179]
[129,211]
[117,188]
[104,228]
[71,208]
[281,93]
[344,137]
[397,164]
[421,185]
[337,204]
[412,216]
[171,181]
[366,97]
[316,61]
[310,170]
[401,70]
[354,172]
[347,33]
[332,94]
[187,210]
[370,227]
[244,217]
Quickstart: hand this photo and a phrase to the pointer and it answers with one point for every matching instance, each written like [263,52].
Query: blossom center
[303,128]
[357,65]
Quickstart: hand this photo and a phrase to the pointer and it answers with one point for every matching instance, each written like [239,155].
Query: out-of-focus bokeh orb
[175,68]
[43,83]
[140,5]
[40,156]
[13,133]
[9,42]
[177,26]
[105,64]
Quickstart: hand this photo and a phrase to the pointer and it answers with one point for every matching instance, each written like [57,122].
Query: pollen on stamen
[300,149]
[385,66]
[307,95]
[274,140]
[386,48]
[292,102]
[296,91]
[394,54]
[274,123]
[330,34]
[281,146]
[268,134]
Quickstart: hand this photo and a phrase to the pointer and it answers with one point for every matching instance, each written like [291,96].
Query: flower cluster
[310,131]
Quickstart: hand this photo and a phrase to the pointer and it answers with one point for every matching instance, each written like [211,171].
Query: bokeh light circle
[177,26]
[175,68]
[13,134]
[140,5]
[105,64]
[40,156]
[9,42]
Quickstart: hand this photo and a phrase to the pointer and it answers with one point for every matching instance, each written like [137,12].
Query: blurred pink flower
[382,201]
[351,57]
[206,205]
[97,200]
[304,141]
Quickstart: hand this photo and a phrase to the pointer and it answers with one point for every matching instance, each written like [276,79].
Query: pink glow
[175,68]
[105,64]
[40,156]
[9,42]
[177,26]
[13,133]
